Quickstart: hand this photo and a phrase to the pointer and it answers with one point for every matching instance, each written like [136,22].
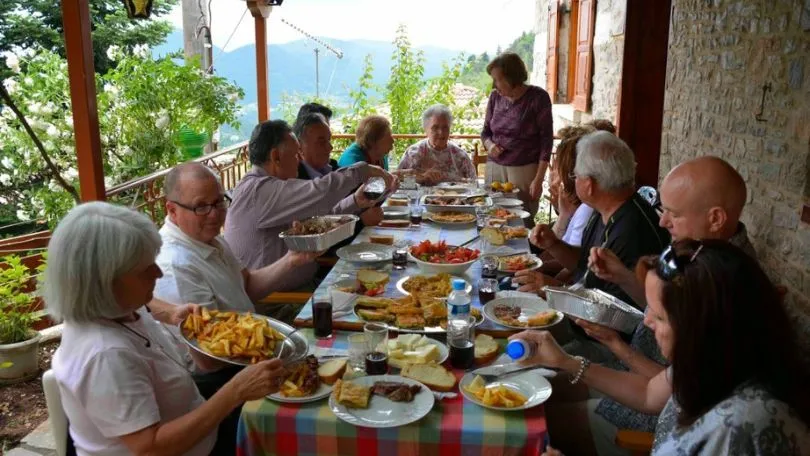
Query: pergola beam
[260,12]
[82,75]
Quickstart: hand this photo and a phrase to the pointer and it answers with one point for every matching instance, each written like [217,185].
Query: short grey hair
[436,110]
[91,247]
[607,159]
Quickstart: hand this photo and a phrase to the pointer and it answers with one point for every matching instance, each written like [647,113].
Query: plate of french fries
[515,392]
[302,384]
[241,338]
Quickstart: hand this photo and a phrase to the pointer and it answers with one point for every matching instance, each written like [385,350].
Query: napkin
[342,302]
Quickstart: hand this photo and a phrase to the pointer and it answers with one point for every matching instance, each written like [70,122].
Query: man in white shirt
[199,267]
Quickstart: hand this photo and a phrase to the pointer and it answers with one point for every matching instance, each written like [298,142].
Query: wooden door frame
[573,19]
[640,111]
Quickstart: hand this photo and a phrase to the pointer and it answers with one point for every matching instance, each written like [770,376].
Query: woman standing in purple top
[518,132]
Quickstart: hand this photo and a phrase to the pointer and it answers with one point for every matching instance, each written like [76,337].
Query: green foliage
[17,316]
[29,23]
[476,73]
[142,104]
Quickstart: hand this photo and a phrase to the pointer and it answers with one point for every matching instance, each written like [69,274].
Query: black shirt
[631,233]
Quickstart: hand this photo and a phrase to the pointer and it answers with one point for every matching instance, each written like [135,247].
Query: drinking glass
[486,290]
[416,214]
[400,255]
[374,188]
[322,314]
[461,340]
[358,349]
[377,351]
[489,266]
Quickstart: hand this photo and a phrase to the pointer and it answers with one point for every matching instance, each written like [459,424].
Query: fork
[580,284]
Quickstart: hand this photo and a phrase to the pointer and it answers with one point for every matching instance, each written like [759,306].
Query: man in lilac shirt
[270,197]
[518,130]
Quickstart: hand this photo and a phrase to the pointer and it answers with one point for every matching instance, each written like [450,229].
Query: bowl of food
[316,234]
[438,257]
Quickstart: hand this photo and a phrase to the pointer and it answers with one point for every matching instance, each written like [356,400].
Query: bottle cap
[516,349]
[459,284]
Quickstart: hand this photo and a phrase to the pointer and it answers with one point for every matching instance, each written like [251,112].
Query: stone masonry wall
[608,50]
[721,54]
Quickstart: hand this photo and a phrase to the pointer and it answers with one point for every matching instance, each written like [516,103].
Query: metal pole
[317,75]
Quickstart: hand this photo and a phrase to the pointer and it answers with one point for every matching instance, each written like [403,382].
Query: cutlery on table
[489,378]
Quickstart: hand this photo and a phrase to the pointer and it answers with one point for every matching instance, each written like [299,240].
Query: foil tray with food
[595,306]
[316,234]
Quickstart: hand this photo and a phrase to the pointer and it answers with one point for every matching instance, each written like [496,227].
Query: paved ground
[39,442]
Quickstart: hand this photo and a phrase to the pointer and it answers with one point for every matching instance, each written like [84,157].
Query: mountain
[292,65]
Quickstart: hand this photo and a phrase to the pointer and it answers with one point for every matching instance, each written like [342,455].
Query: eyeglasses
[670,264]
[205,209]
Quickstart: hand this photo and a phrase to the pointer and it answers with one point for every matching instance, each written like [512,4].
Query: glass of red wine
[486,290]
[416,214]
[377,353]
[374,188]
[399,258]
[461,340]
[322,314]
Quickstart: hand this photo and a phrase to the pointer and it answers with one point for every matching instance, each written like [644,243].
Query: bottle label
[458,309]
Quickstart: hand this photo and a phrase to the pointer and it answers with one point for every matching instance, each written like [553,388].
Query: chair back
[56,414]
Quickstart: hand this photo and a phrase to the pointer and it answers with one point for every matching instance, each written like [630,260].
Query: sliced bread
[433,376]
[486,349]
[331,371]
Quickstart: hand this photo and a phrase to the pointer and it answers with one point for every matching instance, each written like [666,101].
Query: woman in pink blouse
[435,159]
[518,132]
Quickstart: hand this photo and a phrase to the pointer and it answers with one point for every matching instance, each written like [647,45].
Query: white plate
[535,387]
[429,216]
[537,263]
[382,412]
[508,202]
[453,185]
[528,306]
[396,211]
[365,252]
[322,391]
[402,281]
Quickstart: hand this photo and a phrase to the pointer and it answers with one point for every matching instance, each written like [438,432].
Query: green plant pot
[191,143]
[19,362]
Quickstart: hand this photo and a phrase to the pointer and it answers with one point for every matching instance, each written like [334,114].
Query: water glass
[400,255]
[377,351]
[486,290]
[358,349]
[489,266]
[416,214]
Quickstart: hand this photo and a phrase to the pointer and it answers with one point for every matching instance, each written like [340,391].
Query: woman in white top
[125,386]
[435,159]
[736,384]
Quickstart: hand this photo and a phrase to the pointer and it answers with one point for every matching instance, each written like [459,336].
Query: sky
[473,26]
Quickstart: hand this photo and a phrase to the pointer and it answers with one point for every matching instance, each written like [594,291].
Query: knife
[500,370]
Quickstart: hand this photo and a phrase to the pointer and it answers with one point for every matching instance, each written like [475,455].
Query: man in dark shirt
[622,221]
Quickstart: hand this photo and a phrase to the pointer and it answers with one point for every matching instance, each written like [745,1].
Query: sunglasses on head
[670,264]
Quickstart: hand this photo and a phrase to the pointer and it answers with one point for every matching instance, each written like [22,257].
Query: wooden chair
[640,443]
[478,159]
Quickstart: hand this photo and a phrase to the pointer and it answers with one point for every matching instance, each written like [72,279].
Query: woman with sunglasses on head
[735,385]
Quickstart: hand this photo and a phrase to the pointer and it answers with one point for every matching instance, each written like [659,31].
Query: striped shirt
[264,206]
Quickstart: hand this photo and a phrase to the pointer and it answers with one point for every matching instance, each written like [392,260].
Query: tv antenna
[326,46]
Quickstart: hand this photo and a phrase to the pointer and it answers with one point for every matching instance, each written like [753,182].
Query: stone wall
[721,54]
[608,49]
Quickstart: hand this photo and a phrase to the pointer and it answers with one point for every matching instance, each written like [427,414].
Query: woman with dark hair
[735,385]
[518,130]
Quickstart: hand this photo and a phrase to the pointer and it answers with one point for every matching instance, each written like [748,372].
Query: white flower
[49,108]
[52,131]
[7,113]
[5,179]
[126,150]
[7,163]
[35,107]
[141,50]
[233,97]
[3,200]
[10,85]
[113,52]
[13,62]
[162,121]
[22,215]
[108,182]
[53,186]
[112,90]
[71,173]
[28,81]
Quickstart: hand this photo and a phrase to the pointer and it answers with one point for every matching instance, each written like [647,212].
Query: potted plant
[19,342]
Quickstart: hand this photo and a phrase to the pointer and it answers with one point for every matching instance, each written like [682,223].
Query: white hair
[92,246]
[607,159]
[436,110]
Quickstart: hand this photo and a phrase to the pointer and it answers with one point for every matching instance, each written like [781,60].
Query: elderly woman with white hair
[125,385]
[435,159]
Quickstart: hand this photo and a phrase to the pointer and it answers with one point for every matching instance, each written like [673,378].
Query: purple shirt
[523,128]
[264,206]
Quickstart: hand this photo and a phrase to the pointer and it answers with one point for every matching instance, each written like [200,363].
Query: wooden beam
[260,12]
[82,75]
[641,94]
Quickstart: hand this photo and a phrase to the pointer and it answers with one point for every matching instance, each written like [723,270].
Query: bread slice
[332,371]
[486,349]
[383,239]
[433,376]
[397,201]
[395,223]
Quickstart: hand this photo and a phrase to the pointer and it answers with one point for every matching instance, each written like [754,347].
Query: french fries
[232,335]
[495,396]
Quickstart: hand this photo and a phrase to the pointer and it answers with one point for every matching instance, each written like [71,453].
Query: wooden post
[260,12]
[79,46]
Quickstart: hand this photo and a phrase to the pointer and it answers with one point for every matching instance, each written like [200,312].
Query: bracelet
[583,366]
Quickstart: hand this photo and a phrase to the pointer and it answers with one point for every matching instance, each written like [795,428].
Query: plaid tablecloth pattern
[453,427]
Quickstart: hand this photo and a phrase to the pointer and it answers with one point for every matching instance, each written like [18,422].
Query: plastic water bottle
[519,349]
[458,303]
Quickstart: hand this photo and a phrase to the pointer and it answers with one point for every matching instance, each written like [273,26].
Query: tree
[28,23]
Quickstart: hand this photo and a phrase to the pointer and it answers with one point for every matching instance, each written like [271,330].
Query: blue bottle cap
[515,349]
[459,284]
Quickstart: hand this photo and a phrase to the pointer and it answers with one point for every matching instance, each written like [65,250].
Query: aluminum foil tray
[320,242]
[595,306]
